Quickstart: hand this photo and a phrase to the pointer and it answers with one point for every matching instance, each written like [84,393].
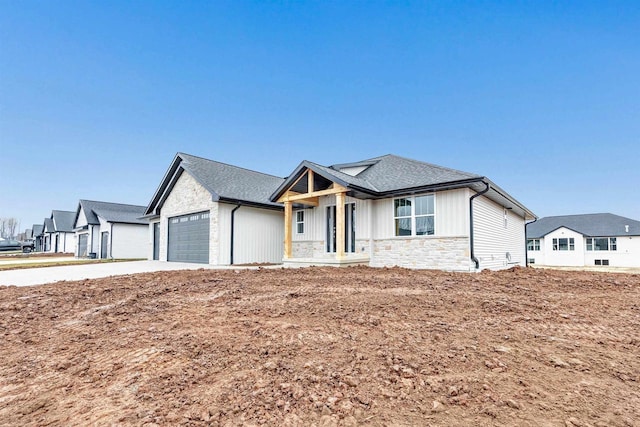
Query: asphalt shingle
[232,182]
[591,225]
[112,212]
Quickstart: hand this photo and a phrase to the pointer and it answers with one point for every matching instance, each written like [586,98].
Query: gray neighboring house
[59,236]
[214,213]
[37,237]
[108,230]
[601,239]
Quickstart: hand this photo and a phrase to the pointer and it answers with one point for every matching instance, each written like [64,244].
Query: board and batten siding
[311,243]
[493,240]
[258,235]
[451,215]
[446,249]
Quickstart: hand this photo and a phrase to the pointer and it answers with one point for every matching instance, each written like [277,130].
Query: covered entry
[189,238]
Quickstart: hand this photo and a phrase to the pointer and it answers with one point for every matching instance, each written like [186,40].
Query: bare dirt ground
[324,347]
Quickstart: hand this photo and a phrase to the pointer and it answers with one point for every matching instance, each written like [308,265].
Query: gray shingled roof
[391,173]
[48,225]
[231,182]
[591,225]
[63,220]
[37,229]
[388,173]
[112,212]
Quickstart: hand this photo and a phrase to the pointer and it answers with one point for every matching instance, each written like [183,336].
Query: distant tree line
[8,227]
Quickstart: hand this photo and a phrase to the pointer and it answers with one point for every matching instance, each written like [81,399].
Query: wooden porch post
[287,229]
[340,236]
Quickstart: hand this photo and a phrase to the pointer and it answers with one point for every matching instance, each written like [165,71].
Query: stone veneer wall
[316,248]
[444,253]
[188,196]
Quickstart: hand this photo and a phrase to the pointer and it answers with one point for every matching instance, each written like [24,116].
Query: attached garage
[210,212]
[189,238]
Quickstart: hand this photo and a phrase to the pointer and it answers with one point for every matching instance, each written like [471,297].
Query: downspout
[233,219]
[111,241]
[91,248]
[473,255]
[526,246]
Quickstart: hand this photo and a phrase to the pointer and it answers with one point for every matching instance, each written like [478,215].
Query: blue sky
[97,97]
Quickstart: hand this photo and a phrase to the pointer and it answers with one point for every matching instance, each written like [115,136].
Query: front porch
[324,205]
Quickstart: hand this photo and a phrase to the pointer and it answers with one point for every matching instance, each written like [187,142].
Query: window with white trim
[533,244]
[564,244]
[300,222]
[414,215]
[602,244]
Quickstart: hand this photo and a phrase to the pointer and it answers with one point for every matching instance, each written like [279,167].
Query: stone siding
[447,253]
[188,196]
[317,249]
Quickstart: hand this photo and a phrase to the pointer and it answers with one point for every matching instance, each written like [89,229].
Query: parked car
[14,245]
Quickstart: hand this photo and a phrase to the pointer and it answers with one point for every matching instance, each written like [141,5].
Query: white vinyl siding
[499,235]
[557,257]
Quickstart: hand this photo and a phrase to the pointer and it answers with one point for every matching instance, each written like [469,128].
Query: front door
[103,244]
[349,228]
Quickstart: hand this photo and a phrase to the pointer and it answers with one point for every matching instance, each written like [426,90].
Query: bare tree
[8,227]
[12,225]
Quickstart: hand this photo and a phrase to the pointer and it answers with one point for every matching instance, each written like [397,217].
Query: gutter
[233,219]
[473,255]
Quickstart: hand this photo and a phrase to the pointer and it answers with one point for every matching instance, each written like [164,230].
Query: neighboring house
[384,211]
[110,230]
[393,211]
[584,240]
[58,232]
[213,213]
[38,237]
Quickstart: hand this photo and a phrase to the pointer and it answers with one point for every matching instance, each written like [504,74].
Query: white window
[564,244]
[533,244]
[300,222]
[602,244]
[414,216]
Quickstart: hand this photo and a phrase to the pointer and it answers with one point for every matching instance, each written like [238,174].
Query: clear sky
[541,97]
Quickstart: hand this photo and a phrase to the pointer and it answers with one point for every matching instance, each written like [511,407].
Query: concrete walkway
[40,276]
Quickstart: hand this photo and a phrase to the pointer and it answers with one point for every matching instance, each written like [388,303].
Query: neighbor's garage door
[189,238]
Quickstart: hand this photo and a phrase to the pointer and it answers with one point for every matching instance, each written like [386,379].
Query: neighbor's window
[564,244]
[300,222]
[414,216]
[602,244]
[533,244]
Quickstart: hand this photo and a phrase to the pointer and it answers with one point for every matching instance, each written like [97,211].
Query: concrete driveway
[40,276]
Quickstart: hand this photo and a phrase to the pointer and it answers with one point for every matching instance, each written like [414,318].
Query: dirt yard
[324,347]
